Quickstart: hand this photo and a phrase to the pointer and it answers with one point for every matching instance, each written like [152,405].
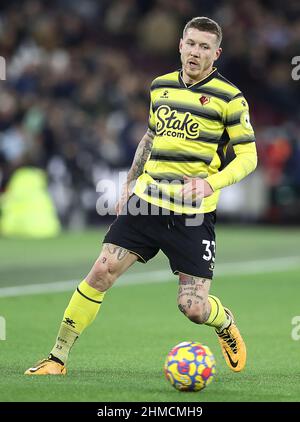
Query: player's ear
[180,45]
[218,53]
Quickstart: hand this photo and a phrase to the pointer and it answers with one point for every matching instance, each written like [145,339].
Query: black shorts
[188,244]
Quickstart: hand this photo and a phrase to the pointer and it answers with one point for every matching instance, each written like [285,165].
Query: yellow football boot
[232,345]
[47,367]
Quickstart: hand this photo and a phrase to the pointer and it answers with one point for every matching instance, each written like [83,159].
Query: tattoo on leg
[103,260]
[192,292]
[107,247]
[192,295]
[111,248]
[121,252]
[193,283]
[185,279]
[182,308]
[188,280]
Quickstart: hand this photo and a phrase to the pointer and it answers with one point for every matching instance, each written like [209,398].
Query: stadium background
[75,104]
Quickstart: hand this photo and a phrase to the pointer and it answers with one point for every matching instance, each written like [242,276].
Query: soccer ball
[190,366]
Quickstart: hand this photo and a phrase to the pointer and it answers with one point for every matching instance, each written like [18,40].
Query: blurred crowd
[75,99]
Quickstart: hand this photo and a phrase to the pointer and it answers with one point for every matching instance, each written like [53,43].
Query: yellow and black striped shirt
[193,127]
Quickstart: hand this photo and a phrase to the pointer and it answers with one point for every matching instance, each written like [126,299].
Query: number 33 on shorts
[210,252]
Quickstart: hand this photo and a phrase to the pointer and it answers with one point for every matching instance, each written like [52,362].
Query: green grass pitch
[120,356]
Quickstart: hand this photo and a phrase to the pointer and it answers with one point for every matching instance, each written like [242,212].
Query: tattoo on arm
[141,155]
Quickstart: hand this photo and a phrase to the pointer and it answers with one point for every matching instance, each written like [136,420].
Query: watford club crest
[204,100]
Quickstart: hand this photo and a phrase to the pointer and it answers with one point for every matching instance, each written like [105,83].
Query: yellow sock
[81,311]
[217,317]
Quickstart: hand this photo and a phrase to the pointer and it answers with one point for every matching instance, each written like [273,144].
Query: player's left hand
[195,187]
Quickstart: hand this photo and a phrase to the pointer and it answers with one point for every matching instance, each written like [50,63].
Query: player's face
[198,51]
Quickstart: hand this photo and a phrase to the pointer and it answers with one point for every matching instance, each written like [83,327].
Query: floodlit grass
[120,356]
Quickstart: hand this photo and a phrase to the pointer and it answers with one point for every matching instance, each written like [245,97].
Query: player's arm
[242,138]
[244,163]
[141,156]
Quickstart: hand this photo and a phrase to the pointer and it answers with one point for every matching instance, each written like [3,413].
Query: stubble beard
[194,76]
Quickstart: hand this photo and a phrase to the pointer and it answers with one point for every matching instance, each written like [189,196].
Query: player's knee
[196,313]
[102,276]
